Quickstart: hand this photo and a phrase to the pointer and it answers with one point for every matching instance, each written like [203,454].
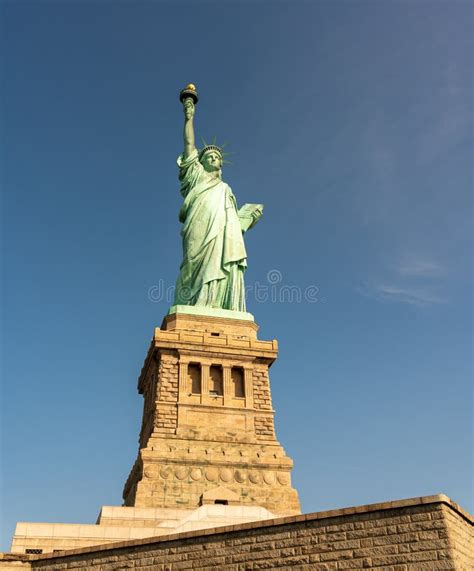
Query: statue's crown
[208,148]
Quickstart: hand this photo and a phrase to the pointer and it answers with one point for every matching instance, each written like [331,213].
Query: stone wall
[422,533]
[461,538]
[10,562]
[261,389]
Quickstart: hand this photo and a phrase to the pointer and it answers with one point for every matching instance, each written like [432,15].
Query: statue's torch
[189,92]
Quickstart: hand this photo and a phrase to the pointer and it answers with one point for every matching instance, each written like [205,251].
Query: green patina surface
[214,256]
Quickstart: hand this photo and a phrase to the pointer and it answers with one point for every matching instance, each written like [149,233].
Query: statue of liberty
[214,256]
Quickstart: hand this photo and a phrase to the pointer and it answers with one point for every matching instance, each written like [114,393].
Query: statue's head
[211,159]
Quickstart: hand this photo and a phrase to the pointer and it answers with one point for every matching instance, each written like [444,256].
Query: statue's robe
[214,256]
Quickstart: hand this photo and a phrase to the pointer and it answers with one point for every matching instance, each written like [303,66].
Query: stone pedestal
[207,433]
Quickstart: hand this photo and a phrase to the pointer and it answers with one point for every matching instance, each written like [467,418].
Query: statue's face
[212,161]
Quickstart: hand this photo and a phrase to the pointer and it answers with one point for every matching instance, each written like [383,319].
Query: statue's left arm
[247,218]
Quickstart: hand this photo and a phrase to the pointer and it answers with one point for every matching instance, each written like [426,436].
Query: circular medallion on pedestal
[226,475]
[196,474]
[181,473]
[269,478]
[240,476]
[165,472]
[212,474]
[150,472]
[283,478]
[255,477]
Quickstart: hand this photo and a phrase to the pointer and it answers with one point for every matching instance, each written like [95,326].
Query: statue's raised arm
[189,98]
[188,134]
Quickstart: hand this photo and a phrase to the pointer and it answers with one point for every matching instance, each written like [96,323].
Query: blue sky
[352,123]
